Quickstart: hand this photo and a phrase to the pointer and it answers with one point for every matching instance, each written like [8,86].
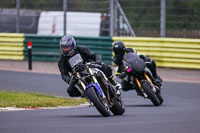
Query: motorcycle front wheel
[160,98]
[118,107]
[98,101]
[151,95]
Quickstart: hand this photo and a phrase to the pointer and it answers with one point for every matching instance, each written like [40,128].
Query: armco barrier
[100,45]
[168,52]
[11,46]
[46,48]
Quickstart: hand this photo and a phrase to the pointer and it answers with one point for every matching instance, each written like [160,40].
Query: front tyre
[160,98]
[151,95]
[98,102]
[118,107]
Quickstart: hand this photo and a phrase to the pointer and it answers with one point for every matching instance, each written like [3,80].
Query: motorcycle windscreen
[136,63]
[74,60]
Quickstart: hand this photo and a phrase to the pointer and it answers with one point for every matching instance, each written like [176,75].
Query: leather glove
[121,75]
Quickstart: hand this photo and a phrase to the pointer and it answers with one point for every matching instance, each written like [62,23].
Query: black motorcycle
[95,87]
[141,78]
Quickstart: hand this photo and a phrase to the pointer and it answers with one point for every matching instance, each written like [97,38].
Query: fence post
[65,16]
[163,18]
[125,18]
[17,15]
[111,17]
[115,20]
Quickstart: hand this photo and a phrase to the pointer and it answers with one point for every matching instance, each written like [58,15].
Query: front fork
[95,81]
[83,89]
[140,87]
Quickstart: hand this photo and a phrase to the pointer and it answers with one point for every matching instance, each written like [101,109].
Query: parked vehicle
[95,87]
[51,23]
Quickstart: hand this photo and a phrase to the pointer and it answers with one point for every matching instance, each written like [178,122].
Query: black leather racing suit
[117,61]
[88,56]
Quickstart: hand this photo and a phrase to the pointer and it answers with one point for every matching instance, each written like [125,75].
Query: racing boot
[116,85]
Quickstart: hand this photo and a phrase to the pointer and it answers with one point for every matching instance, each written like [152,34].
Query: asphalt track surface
[180,112]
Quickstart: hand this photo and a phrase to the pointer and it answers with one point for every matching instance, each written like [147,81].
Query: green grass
[21,99]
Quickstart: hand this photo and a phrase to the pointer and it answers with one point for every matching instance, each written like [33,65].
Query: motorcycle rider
[120,50]
[68,49]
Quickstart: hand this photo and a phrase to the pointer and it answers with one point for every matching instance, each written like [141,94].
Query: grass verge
[21,100]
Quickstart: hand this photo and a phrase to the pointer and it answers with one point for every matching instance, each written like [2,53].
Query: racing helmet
[119,48]
[67,45]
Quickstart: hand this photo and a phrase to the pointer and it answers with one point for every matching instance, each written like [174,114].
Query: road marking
[40,108]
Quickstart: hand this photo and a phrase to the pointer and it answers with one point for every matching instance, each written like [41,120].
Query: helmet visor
[67,49]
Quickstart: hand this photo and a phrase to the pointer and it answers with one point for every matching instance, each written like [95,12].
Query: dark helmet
[119,48]
[67,45]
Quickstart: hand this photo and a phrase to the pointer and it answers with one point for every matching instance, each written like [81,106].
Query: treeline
[57,5]
[180,14]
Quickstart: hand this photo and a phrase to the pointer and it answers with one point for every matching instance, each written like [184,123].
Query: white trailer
[78,23]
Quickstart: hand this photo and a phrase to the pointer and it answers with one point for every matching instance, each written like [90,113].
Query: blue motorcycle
[95,87]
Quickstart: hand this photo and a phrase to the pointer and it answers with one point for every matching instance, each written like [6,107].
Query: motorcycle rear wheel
[151,95]
[98,102]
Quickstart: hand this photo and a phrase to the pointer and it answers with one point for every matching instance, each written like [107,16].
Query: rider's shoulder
[130,50]
[82,48]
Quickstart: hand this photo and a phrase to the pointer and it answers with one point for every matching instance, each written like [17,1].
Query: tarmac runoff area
[167,74]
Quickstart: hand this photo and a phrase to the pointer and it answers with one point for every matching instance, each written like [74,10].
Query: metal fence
[182,16]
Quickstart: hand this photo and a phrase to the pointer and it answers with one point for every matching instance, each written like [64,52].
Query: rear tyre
[151,95]
[98,102]
[118,107]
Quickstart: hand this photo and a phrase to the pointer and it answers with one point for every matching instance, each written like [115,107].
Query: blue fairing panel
[96,86]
